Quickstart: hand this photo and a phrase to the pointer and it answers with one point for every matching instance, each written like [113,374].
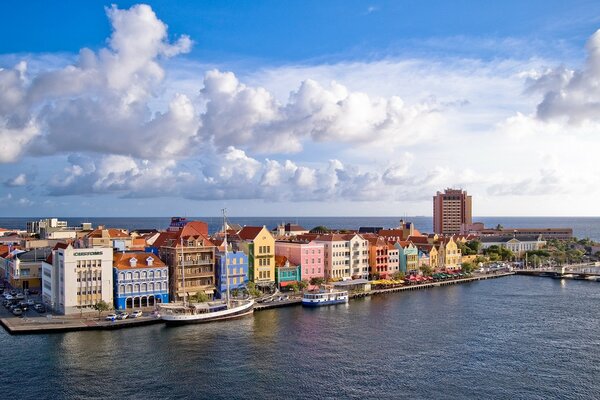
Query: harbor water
[507,338]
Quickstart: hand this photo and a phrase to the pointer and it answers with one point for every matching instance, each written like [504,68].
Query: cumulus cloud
[19,180]
[102,102]
[251,117]
[573,95]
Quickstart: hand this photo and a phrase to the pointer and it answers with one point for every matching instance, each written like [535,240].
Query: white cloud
[19,180]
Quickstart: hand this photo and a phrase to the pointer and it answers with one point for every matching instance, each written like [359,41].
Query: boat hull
[186,319]
[323,303]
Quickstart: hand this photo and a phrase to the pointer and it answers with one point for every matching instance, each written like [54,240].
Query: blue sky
[297,108]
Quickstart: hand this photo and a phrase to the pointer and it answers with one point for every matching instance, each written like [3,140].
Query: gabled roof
[193,228]
[122,260]
[250,232]
[418,239]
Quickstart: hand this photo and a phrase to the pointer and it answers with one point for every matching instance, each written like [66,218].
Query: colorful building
[286,273]
[259,244]
[449,256]
[308,254]
[378,256]
[346,256]
[140,280]
[393,259]
[237,262]
[409,257]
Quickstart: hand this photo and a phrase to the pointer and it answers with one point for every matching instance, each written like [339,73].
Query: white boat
[180,314]
[193,313]
[324,298]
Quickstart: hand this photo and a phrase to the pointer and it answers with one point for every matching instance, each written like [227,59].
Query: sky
[298,108]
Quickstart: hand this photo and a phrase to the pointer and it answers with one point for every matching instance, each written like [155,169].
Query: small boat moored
[324,298]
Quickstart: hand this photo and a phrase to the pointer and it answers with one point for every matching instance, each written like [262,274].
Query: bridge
[576,271]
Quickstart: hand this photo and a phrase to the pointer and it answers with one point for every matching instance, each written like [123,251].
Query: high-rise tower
[451,210]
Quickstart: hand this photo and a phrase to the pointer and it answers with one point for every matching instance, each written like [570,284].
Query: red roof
[249,232]
[121,260]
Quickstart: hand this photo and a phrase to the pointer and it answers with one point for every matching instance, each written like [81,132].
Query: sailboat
[192,313]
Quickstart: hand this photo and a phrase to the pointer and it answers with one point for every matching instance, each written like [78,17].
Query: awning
[287,283]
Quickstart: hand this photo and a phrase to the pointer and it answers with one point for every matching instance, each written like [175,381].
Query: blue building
[238,271]
[140,280]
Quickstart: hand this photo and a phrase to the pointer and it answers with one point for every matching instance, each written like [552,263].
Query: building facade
[409,257]
[309,255]
[451,211]
[24,268]
[260,245]
[75,279]
[518,245]
[140,280]
[237,262]
[286,273]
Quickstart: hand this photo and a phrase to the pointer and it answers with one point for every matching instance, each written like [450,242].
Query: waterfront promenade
[56,324]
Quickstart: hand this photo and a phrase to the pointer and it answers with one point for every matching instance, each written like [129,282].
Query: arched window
[144,287]
[151,275]
[136,275]
[128,289]
[136,288]
[144,275]
[128,276]
[158,286]
[121,276]
[151,287]
[121,289]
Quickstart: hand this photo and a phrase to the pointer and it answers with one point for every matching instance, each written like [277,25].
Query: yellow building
[433,258]
[452,256]
[261,254]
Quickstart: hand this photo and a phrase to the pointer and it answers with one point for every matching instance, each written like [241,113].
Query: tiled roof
[249,232]
[121,260]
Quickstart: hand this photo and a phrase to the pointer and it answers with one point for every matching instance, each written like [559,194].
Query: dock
[16,326]
[376,292]
[60,324]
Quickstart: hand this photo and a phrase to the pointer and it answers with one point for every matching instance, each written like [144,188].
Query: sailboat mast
[182,271]
[225,258]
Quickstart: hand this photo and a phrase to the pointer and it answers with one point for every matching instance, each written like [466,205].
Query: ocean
[516,337]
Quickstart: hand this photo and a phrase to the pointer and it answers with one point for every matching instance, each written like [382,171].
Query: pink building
[309,255]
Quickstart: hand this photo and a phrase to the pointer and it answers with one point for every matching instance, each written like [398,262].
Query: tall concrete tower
[451,210]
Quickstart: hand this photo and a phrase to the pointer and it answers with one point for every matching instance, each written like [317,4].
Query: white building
[346,256]
[518,245]
[74,279]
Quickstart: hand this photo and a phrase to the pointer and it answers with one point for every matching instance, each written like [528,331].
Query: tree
[467,267]
[294,287]
[201,297]
[303,284]
[499,227]
[398,276]
[474,246]
[252,290]
[235,293]
[426,270]
[320,229]
[317,281]
[101,306]
[375,276]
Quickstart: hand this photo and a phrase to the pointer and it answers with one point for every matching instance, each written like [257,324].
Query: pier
[376,292]
[576,271]
[58,324]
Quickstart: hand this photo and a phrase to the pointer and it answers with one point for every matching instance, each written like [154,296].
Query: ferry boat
[324,298]
[193,313]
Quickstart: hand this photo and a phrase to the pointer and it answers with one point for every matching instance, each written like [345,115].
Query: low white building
[518,245]
[75,279]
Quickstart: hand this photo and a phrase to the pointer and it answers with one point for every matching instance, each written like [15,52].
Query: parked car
[20,296]
[111,317]
[17,311]
[8,296]
[122,315]
[33,291]
[136,314]
[30,302]
[40,308]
